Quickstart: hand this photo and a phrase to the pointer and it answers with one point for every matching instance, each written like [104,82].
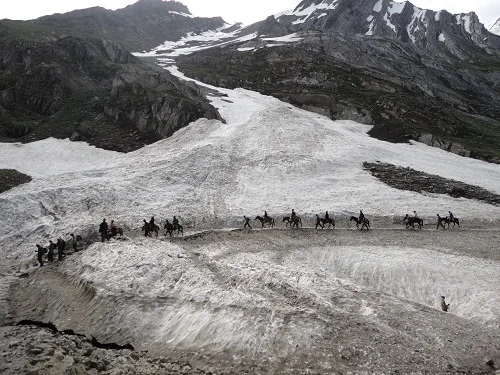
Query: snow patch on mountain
[378,6]
[52,157]
[196,42]
[465,21]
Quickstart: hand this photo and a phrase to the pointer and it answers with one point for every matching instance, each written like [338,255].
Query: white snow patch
[197,42]
[51,157]
[287,38]
[442,37]
[181,14]
[370,28]
[465,21]
[378,7]
[246,49]
[415,23]
[304,14]
[393,8]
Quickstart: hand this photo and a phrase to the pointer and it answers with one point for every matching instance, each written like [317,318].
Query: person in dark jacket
[327,216]
[451,217]
[152,222]
[361,217]
[40,252]
[50,255]
[61,246]
[175,222]
[103,230]
[247,222]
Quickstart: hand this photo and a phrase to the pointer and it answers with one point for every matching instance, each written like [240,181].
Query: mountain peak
[393,20]
[147,6]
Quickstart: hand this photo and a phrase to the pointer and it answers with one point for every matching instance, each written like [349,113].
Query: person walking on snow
[40,252]
[247,222]
[103,230]
[52,247]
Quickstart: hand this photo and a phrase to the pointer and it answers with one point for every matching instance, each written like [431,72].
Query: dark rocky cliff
[91,90]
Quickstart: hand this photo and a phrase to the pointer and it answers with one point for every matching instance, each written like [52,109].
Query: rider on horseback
[327,216]
[175,222]
[265,215]
[451,217]
[294,215]
[361,217]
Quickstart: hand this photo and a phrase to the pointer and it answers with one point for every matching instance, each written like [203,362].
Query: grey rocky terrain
[91,90]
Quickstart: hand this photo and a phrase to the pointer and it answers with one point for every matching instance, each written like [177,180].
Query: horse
[266,220]
[170,228]
[411,221]
[364,223]
[455,221]
[440,221]
[115,231]
[287,220]
[328,221]
[148,230]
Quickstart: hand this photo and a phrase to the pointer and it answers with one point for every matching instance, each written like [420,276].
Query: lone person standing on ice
[103,229]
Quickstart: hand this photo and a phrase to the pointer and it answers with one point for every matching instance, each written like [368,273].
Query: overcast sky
[231,10]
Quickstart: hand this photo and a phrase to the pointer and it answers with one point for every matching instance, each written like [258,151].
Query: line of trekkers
[60,246]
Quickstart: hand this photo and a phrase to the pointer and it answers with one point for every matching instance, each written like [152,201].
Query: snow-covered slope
[269,156]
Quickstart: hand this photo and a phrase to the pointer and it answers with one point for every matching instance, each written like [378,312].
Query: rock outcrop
[91,90]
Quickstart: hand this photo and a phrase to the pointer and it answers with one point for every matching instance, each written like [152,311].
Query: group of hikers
[59,245]
[150,228]
[294,221]
[361,221]
[109,231]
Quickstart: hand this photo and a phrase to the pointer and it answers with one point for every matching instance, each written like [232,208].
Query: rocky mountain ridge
[138,27]
[462,35]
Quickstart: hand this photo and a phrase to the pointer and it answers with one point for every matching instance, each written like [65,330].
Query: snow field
[269,156]
[228,294]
